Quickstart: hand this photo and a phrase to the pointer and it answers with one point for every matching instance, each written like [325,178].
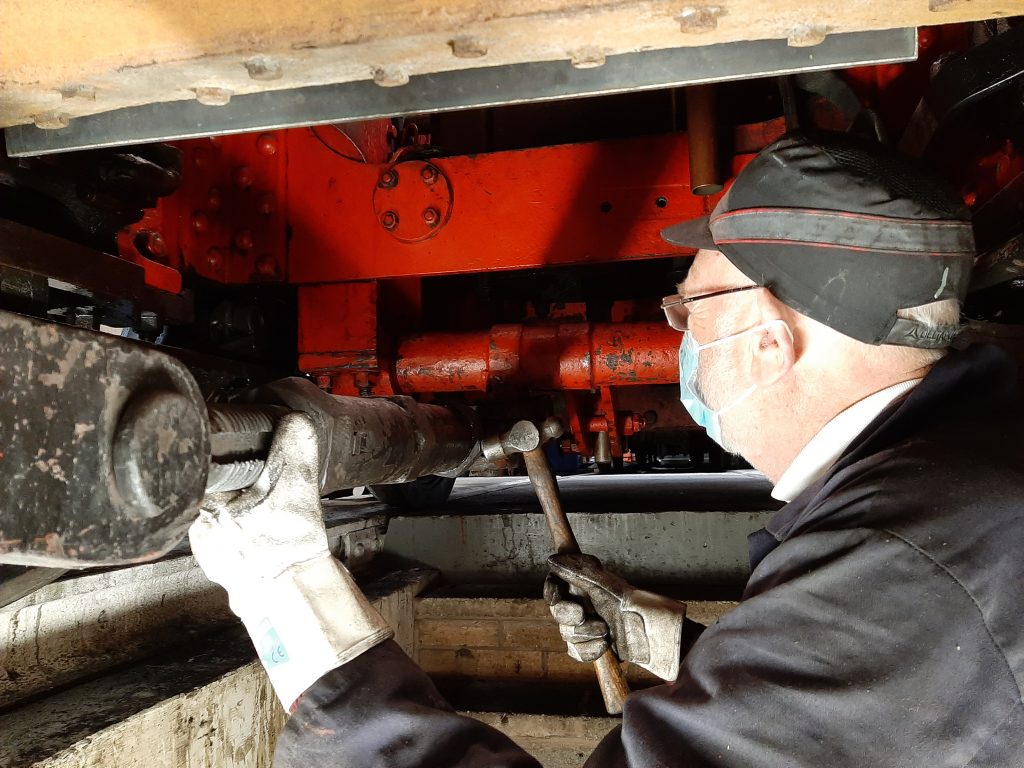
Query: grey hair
[931,316]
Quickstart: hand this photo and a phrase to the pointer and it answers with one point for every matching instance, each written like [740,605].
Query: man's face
[721,370]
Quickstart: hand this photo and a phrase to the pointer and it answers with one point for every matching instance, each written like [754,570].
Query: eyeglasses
[677,309]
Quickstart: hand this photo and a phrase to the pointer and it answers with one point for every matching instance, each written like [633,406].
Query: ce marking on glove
[271,649]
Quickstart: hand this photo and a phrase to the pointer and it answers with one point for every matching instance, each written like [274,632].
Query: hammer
[526,439]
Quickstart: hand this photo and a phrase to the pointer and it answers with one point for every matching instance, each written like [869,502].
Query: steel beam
[465,89]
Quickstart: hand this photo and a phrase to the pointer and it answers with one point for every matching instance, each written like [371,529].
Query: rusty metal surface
[240,437]
[573,356]
[95,470]
[701,107]
[366,441]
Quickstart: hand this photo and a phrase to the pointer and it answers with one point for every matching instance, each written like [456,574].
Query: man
[882,624]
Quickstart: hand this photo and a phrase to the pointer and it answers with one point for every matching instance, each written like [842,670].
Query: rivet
[213,97]
[431,217]
[266,144]
[266,265]
[243,239]
[78,91]
[267,203]
[467,48]
[214,199]
[695,19]
[806,35]
[263,68]
[389,77]
[589,57]
[51,121]
[200,221]
[429,174]
[215,259]
[389,220]
[200,157]
[388,179]
[243,177]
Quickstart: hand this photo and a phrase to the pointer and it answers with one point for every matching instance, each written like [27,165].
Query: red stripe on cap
[844,214]
[769,241]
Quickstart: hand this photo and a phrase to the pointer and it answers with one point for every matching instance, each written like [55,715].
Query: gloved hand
[590,603]
[267,547]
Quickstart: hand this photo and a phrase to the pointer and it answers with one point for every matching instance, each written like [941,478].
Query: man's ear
[772,353]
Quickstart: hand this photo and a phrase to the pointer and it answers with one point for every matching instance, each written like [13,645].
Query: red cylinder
[443,362]
[570,356]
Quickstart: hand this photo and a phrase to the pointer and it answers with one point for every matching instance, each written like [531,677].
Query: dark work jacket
[883,624]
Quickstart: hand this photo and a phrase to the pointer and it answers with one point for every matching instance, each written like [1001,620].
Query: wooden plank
[64,58]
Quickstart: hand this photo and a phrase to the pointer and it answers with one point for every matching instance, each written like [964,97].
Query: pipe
[702,140]
[570,356]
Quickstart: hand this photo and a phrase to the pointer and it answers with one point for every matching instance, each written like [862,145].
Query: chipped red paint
[567,356]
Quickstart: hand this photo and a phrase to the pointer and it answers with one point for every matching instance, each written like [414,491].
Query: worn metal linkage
[111,447]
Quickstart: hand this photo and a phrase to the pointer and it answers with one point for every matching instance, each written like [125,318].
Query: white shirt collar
[824,448]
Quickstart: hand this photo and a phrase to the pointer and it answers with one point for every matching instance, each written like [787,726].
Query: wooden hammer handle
[614,688]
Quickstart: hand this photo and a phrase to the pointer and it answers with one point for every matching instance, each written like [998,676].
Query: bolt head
[389,220]
[155,243]
[431,217]
[243,239]
[266,266]
[266,144]
[200,222]
[388,179]
[243,177]
[267,204]
[215,259]
[429,174]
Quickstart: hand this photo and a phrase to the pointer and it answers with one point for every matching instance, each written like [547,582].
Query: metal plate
[465,89]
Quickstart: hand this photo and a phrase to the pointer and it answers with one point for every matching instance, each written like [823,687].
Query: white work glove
[590,603]
[267,547]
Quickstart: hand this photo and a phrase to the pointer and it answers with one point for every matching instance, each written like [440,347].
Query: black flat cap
[845,231]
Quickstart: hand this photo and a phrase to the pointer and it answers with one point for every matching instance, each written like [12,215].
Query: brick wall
[509,639]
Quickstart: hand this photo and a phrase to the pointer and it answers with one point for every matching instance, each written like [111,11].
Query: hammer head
[524,436]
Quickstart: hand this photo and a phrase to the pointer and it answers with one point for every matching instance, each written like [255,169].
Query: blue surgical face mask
[700,411]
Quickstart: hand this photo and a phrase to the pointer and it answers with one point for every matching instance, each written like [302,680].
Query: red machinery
[372,225]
